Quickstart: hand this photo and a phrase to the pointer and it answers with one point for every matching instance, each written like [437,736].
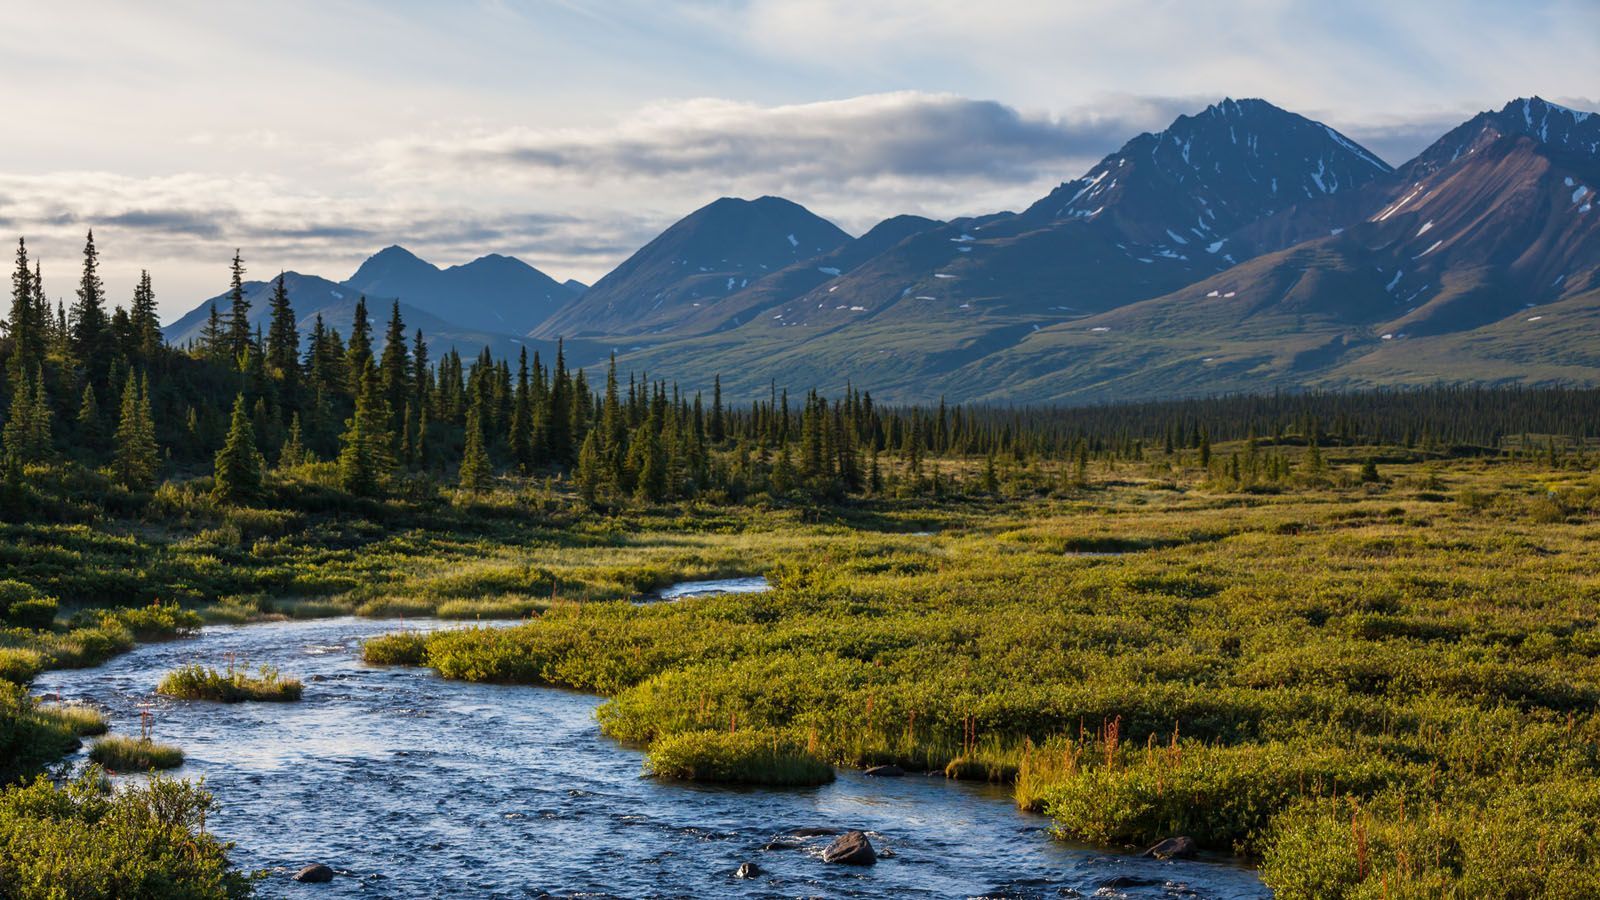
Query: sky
[311,133]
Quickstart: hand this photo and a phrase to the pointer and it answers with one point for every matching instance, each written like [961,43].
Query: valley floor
[1374,687]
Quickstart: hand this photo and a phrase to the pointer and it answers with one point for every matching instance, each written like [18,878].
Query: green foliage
[238,468]
[20,664]
[140,842]
[29,738]
[197,682]
[737,757]
[406,648]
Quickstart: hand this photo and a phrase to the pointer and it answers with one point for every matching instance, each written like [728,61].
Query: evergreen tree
[294,452]
[475,470]
[145,320]
[521,436]
[89,437]
[591,475]
[238,465]
[135,459]
[283,342]
[395,364]
[90,332]
[358,355]
[26,322]
[716,430]
[26,434]
[365,460]
[238,336]
[213,340]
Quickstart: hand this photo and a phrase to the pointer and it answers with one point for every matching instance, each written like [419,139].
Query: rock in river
[851,849]
[1173,848]
[890,771]
[316,873]
[748,870]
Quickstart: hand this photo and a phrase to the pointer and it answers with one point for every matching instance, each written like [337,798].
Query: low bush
[84,841]
[402,648]
[737,757]
[19,664]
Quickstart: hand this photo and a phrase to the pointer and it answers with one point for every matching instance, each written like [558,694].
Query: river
[412,786]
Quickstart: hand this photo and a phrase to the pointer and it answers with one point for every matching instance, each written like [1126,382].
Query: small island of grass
[126,754]
[197,682]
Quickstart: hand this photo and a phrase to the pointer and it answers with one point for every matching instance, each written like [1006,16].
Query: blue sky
[313,133]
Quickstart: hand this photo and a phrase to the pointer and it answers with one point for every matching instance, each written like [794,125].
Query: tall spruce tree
[358,352]
[135,458]
[145,320]
[283,343]
[365,459]
[238,338]
[91,335]
[475,469]
[395,364]
[25,323]
[238,465]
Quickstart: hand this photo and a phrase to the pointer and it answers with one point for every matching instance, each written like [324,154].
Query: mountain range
[1243,248]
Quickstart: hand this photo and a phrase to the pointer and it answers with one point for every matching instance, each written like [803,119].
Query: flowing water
[412,786]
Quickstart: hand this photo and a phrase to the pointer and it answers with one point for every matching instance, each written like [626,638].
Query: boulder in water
[748,870]
[890,771]
[316,873]
[1180,847]
[851,849]
[814,831]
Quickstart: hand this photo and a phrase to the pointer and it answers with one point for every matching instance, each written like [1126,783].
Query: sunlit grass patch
[125,754]
[197,682]
[737,757]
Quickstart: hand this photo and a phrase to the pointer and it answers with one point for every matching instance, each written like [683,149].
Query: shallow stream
[412,786]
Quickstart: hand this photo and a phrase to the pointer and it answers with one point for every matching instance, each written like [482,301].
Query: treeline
[95,383]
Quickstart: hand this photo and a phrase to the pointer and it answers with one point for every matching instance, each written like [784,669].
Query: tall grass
[197,682]
[125,754]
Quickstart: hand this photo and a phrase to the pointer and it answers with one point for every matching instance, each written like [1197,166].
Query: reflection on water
[685,589]
[412,786]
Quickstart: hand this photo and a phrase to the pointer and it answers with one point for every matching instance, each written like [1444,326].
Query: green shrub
[28,740]
[739,757]
[126,754]
[19,664]
[403,648]
[197,682]
[83,841]
[38,614]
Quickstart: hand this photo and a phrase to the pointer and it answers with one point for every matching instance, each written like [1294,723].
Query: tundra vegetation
[1351,635]
[233,685]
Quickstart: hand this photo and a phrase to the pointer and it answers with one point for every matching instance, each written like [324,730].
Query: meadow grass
[1365,685]
[1250,668]
[119,753]
[197,682]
